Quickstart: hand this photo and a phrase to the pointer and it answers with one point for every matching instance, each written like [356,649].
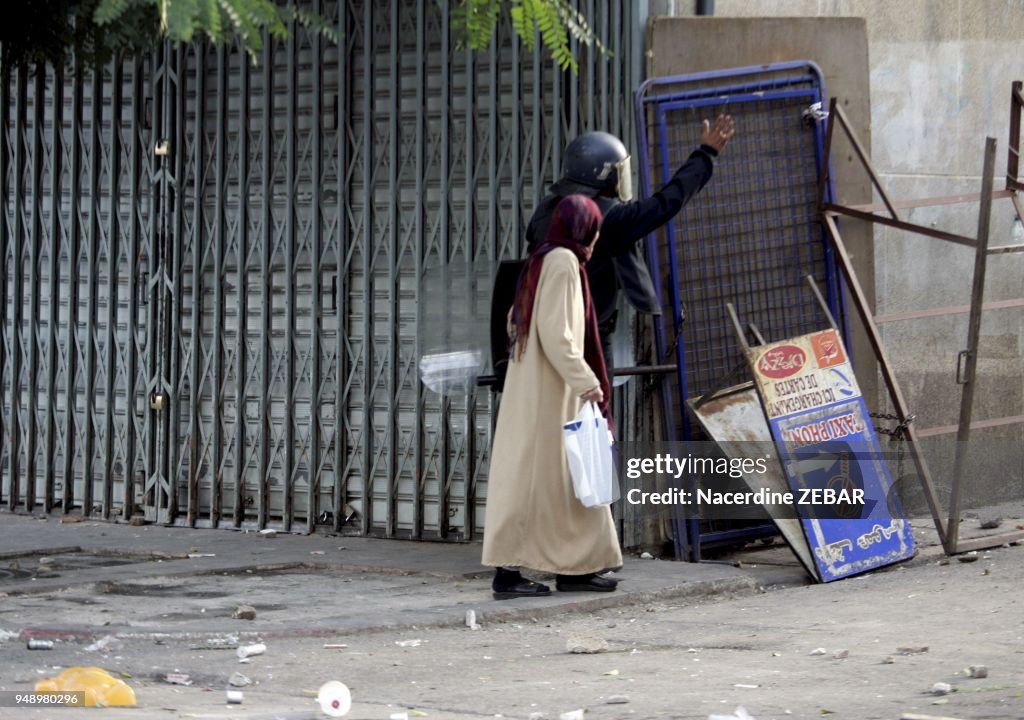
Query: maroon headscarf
[574,224]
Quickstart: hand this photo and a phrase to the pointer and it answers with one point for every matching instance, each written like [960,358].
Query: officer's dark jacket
[618,260]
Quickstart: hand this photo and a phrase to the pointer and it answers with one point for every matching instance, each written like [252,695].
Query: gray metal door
[232,341]
[74,232]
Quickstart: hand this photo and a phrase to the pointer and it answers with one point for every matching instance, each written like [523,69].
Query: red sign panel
[781,361]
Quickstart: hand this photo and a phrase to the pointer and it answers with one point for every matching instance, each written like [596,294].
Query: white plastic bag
[588,448]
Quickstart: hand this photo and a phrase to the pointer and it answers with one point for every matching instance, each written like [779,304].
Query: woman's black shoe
[510,584]
[585,583]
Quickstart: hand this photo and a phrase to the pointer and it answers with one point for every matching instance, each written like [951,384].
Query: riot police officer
[597,165]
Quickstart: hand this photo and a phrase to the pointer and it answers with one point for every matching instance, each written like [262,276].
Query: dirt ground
[870,647]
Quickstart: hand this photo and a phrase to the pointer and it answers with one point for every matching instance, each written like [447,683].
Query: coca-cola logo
[781,361]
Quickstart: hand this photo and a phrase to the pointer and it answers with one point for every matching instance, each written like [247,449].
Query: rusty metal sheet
[734,419]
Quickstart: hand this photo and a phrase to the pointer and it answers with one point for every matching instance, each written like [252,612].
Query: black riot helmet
[595,163]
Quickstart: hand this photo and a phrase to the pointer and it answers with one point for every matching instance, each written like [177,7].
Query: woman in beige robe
[533,517]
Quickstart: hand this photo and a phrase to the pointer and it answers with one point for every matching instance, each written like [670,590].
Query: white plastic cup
[335,698]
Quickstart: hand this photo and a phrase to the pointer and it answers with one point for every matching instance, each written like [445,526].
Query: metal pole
[242,283]
[493,253]
[557,108]
[594,66]
[821,302]
[601,103]
[266,284]
[156,227]
[220,241]
[5,163]
[825,171]
[469,242]
[56,285]
[973,334]
[113,283]
[291,228]
[836,111]
[135,351]
[756,332]
[394,273]
[1013,151]
[705,7]
[315,471]
[197,243]
[537,126]
[900,225]
[74,241]
[344,240]
[38,123]
[172,291]
[645,370]
[573,90]
[444,251]
[741,336]
[860,301]
[14,423]
[419,476]
[92,281]
[368,340]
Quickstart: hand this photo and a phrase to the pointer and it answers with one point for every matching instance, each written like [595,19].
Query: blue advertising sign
[851,517]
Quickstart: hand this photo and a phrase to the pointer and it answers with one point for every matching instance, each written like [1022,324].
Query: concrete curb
[61,550]
[491,611]
[233,567]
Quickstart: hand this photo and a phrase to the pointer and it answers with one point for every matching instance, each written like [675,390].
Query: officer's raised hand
[719,134]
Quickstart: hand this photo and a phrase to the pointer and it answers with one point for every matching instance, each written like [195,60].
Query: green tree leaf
[93,31]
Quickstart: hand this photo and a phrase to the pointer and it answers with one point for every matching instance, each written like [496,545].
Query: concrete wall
[940,74]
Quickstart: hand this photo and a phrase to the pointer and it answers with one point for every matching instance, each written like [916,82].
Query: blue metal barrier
[750,237]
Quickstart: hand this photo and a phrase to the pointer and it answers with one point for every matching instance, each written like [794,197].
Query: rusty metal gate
[214,270]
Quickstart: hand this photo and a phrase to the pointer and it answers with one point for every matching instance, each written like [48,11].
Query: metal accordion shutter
[218,273]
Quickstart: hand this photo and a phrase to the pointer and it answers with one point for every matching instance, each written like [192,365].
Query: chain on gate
[898,435]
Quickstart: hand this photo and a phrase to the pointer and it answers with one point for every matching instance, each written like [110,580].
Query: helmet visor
[625,176]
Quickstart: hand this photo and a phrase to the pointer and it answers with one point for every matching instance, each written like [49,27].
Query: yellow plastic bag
[100,687]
